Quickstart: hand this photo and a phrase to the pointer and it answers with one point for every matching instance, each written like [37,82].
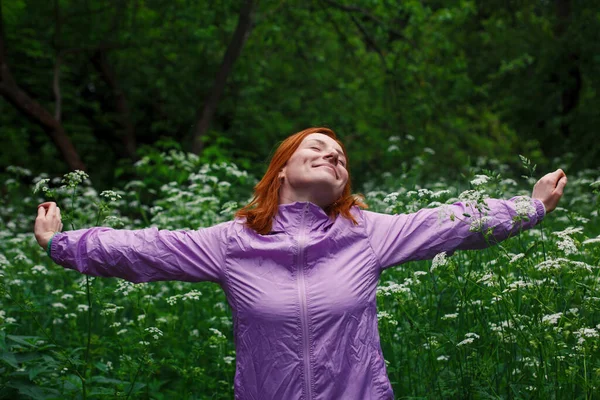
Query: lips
[328,166]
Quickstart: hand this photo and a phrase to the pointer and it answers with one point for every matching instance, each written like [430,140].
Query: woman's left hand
[550,188]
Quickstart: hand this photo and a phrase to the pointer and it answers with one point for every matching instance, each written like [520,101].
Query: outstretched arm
[419,236]
[135,255]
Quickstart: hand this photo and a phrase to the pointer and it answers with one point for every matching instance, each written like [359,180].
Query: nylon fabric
[315,342]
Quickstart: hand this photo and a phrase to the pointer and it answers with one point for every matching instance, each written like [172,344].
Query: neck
[285,197]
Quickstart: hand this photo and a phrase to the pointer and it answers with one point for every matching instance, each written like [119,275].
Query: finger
[41,212]
[559,173]
[561,185]
[51,209]
[60,228]
[46,204]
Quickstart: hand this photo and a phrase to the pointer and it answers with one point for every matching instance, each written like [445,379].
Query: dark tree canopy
[91,84]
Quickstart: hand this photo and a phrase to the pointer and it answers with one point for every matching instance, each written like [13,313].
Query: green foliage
[464,78]
[518,320]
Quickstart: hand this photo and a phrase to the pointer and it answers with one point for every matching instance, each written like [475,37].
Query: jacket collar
[292,217]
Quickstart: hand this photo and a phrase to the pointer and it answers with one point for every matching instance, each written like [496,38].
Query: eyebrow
[325,144]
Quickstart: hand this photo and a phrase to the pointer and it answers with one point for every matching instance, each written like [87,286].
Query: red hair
[259,213]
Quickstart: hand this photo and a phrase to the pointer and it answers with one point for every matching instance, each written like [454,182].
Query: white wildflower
[216,332]
[585,333]
[567,245]
[524,206]
[487,279]
[479,224]
[41,184]
[480,180]
[110,195]
[73,179]
[450,316]
[552,319]
[155,332]
[39,269]
[466,341]
[192,295]
[473,196]
[228,359]
[516,257]
[569,231]
[439,260]
[59,305]
[110,309]
[592,240]
[443,358]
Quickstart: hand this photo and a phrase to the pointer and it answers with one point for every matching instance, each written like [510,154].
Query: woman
[299,265]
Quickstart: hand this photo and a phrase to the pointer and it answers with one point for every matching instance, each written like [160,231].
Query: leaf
[36,370]
[35,392]
[103,379]
[9,358]
[23,340]
[2,340]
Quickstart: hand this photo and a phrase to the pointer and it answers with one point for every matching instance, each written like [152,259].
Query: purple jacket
[303,297]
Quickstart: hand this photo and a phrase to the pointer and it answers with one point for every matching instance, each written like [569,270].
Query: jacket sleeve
[420,236]
[144,255]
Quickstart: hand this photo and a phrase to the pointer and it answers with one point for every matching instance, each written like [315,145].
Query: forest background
[173,107]
[95,85]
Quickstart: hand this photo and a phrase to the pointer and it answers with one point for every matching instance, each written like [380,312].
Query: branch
[2,49]
[56,80]
[367,14]
[56,88]
[370,41]
[234,49]
[30,108]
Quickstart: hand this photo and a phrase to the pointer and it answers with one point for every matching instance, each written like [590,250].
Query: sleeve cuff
[49,247]
[540,209]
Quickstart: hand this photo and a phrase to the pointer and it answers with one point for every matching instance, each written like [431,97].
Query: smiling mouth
[329,167]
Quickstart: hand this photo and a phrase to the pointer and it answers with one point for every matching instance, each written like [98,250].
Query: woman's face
[316,172]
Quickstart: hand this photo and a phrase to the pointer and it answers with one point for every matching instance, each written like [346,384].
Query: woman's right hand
[47,223]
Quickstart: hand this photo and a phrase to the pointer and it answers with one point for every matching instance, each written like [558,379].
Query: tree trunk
[29,107]
[206,114]
[127,132]
[569,97]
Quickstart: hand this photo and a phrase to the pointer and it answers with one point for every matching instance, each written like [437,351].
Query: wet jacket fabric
[303,297]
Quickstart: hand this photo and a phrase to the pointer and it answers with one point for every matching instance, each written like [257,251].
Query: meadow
[519,320]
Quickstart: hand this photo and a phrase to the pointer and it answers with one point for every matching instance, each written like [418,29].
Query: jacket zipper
[304,308]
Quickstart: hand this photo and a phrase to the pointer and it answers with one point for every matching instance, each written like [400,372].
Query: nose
[332,156]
